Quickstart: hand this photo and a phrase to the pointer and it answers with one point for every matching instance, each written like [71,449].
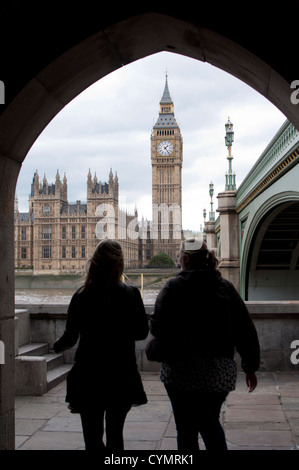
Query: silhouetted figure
[198,322]
[107,317]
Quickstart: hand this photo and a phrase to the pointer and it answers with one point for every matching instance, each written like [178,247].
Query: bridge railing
[283,144]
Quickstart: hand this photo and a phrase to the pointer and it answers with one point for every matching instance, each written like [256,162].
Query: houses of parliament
[57,236]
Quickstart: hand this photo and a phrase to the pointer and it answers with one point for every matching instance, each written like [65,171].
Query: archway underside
[119,44]
[274,270]
[79,46]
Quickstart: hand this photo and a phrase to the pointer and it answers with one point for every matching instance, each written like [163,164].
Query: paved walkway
[267,419]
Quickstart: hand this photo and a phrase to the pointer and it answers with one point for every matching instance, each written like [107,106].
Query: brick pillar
[229,237]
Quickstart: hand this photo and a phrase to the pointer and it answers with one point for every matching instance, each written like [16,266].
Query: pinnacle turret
[166,117]
[166,98]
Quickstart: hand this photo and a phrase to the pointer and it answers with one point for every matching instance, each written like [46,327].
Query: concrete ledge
[273,309]
[31,375]
[23,325]
[46,311]
[277,324]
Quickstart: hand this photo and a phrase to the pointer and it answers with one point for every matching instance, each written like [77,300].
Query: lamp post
[204,221]
[230,177]
[212,213]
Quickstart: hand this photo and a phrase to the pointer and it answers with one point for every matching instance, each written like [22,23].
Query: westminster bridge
[256,235]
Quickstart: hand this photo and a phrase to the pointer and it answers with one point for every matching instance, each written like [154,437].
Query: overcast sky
[109,126]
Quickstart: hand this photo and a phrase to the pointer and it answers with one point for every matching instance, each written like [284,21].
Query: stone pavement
[267,419]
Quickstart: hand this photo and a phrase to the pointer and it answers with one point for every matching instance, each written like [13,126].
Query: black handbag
[155,351]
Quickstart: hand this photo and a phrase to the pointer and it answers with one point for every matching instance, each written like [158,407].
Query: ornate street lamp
[230,177]
[229,137]
[212,213]
[204,220]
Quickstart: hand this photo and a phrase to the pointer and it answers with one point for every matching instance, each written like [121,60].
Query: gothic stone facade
[56,236]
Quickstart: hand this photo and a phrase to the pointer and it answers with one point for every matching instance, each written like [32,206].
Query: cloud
[109,125]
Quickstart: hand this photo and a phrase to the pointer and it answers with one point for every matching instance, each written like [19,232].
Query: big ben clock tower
[167,160]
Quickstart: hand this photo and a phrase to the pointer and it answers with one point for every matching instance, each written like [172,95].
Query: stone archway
[36,93]
[263,214]
[273,263]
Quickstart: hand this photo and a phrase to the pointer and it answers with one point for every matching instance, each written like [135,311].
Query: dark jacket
[198,313]
[107,328]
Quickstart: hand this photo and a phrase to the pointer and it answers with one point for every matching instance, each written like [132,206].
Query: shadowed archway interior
[50,56]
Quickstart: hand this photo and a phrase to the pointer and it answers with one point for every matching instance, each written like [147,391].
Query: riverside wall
[277,324]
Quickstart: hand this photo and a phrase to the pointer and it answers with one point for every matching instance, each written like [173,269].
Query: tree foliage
[162,260]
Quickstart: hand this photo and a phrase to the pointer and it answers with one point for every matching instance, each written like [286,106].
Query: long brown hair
[106,265]
[199,257]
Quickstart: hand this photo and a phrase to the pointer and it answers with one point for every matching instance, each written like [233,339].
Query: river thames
[63,296]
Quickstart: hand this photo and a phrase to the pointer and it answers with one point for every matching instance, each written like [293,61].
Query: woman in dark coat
[107,317]
[198,322]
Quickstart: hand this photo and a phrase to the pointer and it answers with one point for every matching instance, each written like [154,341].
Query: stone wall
[277,324]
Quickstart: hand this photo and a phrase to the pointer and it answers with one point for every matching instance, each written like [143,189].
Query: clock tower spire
[167,160]
[166,114]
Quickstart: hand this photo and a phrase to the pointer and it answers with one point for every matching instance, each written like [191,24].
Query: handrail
[282,144]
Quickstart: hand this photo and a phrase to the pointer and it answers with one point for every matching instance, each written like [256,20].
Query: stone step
[53,360]
[49,367]
[57,375]
[33,349]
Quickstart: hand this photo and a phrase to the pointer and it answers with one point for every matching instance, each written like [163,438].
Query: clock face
[165,148]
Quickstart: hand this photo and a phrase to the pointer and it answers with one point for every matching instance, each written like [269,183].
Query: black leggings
[93,426]
[197,412]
